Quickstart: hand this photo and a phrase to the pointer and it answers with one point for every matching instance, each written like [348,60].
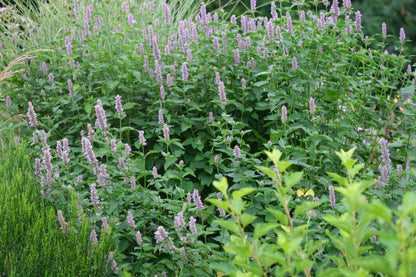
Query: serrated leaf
[268,171]
[279,215]
[246,219]
[283,165]
[242,192]
[262,229]
[274,155]
[341,180]
[222,185]
[292,178]
[229,225]
[356,168]
[237,205]
[223,204]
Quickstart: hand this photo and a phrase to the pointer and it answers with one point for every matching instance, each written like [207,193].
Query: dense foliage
[135,117]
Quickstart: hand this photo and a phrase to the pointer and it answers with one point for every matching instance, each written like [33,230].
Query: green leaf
[341,180]
[346,157]
[229,225]
[88,107]
[380,210]
[262,229]
[305,206]
[356,168]
[261,83]
[268,171]
[223,204]
[237,205]
[246,219]
[376,263]
[279,215]
[222,186]
[283,165]
[242,192]
[409,202]
[129,105]
[293,178]
[274,155]
[138,75]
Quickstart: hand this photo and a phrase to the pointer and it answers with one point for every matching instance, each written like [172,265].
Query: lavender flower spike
[385,152]
[119,107]
[161,234]
[223,95]
[166,131]
[94,196]
[8,101]
[253,5]
[32,116]
[142,140]
[332,196]
[161,120]
[197,199]
[192,225]
[312,105]
[384,30]
[139,238]
[294,64]
[64,225]
[93,238]
[402,35]
[101,119]
[284,114]
[130,219]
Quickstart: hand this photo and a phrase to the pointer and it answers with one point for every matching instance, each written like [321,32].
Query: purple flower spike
[130,219]
[197,199]
[166,10]
[104,223]
[166,132]
[332,196]
[384,29]
[294,64]
[8,101]
[192,225]
[62,222]
[101,119]
[94,196]
[253,5]
[119,107]
[179,221]
[284,114]
[71,92]
[312,105]
[223,95]
[385,152]
[358,21]
[402,35]
[32,116]
[236,152]
[142,140]
[154,172]
[161,120]
[161,235]
[184,72]
[139,238]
